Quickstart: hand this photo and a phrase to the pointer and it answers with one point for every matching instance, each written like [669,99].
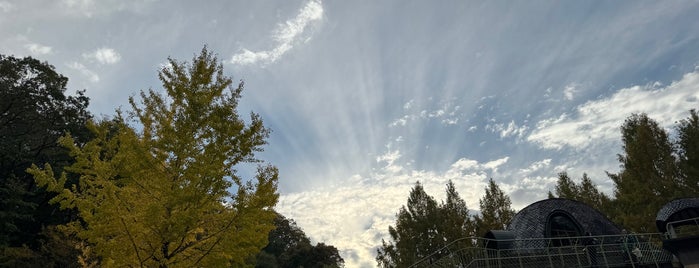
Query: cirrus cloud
[286,36]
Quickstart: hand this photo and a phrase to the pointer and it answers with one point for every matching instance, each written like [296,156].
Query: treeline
[154,186]
[655,169]
[424,226]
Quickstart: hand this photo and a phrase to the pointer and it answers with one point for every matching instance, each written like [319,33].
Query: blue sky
[366,97]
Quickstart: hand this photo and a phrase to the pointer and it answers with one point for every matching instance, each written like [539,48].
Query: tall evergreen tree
[160,197]
[585,192]
[423,227]
[456,218]
[688,153]
[415,233]
[648,178]
[589,194]
[496,210]
[566,188]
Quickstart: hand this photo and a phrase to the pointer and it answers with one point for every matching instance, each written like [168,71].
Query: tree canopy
[423,226]
[288,246]
[585,192]
[648,178]
[496,210]
[161,196]
[35,111]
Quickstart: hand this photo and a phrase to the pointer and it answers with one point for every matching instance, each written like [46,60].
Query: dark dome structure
[561,232]
[559,217]
[675,210]
[671,220]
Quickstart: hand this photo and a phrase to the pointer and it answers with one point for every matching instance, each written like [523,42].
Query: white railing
[631,250]
[682,228]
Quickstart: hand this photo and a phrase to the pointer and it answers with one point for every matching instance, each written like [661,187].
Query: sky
[365,98]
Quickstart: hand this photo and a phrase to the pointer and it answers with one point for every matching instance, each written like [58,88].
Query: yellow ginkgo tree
[164,192]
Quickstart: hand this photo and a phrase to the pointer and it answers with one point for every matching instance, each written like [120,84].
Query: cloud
[37,49]
[354,216]
[401,121]
[599,121]
[6,6]
[509,130]
[103,55]
[286,36]
[570,90]
[538,165]
[92,76]
[447,114]
[408,104]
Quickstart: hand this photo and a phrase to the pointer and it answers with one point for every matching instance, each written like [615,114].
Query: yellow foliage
[162,197]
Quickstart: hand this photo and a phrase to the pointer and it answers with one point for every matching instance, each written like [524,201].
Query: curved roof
[678,209]
[531,221]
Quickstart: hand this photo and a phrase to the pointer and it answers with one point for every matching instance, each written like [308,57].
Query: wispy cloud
[91,76]
[103,55]
[37,49]
[599,120]
[447,114]
[507,130]
[286,36]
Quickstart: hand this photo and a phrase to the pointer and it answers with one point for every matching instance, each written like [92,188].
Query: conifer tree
[423,227]
[648,177]
[566,188]
[688,152]
[457,222]
[414,235]
[589,194]
[585,192]
[496,211]
[160,196]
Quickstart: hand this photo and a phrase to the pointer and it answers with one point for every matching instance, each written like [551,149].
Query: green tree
[585,192]
[566,187]
[288,246]
[160,197]
[415,234]
[648,178]
[423,227]
[318,256]
[456,221]
[35,112]
[688,153]
[589,194]
[496,210]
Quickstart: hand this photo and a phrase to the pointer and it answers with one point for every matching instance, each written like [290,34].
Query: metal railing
[683,228]
[588,251]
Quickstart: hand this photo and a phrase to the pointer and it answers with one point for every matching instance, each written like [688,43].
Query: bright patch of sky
[366,98]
